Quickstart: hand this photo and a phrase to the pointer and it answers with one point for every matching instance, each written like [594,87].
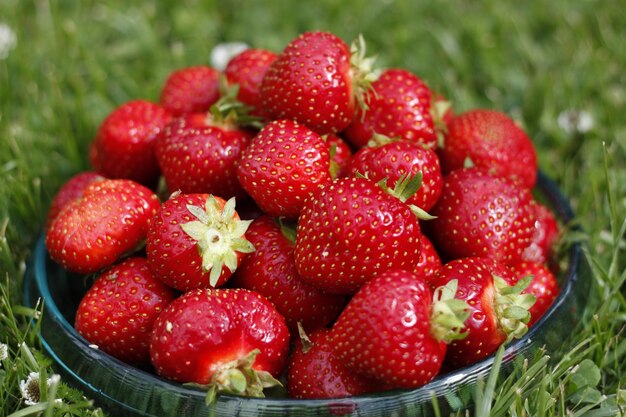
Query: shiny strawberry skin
[384,331]
[318,373]
[350,230]
[492,141]
[70,191]
[429,261]
[124,144]
[197,157]
[310,82]
[479,214]
[190,90]
[247,70]
[108,221]
[282,166]
[118,311]
[544,287]
[271,271]
[399,105]
[341,154]
[396,159]
[206,328]
[545,235]
[173,255]
[476,287]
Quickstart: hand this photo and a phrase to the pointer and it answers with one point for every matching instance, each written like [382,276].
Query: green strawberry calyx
[406,186]
[362,70]
[511,306]
[229,112]
[238,377]
[448,314]
[220,236]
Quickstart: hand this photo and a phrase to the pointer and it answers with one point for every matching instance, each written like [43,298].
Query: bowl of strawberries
[302,234]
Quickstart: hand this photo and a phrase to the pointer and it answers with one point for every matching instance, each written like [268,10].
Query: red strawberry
[118,311]
[190,90]
[285,163]
[398,105]
[109,220]
[124,143]
[69,192]
[394,330]
[197,154]
[314,371]
[247,70]
[479,214]
[498,312]
[543,286]
[196,240]
[271,271]
[340,154]
[229,340]
[392,159]
[429,261]
[492,141]
[545,235]
[315,80]
[350,230]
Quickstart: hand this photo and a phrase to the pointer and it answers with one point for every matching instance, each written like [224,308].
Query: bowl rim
[441,384]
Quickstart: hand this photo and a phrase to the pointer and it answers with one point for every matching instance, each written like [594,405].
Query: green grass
[75,60]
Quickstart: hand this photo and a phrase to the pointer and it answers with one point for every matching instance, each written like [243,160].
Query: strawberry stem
[239,378]
[363,73]
[219,235]
[512,306]
[448,313]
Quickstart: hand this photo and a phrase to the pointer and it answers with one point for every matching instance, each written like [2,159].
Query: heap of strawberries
[303,219]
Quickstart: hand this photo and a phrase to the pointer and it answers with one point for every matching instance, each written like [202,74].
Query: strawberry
[125,140]
[429,261]
[498,310]
[316,80]
[247,70]
[196,240]
[118,311]
[490,140]
[340,154]
[545,236]
[199,154]
[398,105]
[190,90]
[351,229]
[109,220]
[70,191]
[226,340]
[390,159]
[543,286]
[479,214]
[394,330]
[271,271]
[314,371]
[285,162]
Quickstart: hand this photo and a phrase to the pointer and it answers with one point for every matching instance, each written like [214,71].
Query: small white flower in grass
[224,52]
[29,387]
[575,121]
[4,351]
[8,40]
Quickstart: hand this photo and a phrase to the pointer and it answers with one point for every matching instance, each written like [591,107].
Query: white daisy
[29,387]
[4,352]
[575,121]
[8,40]
[224,52]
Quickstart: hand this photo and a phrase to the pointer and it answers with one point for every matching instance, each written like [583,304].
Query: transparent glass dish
[126,391]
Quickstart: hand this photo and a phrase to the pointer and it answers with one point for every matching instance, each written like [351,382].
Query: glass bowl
[126,391]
